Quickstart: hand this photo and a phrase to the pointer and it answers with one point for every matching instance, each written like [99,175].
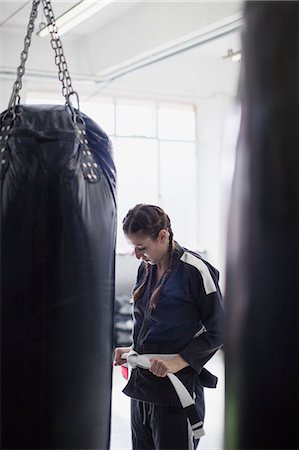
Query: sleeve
[209,300]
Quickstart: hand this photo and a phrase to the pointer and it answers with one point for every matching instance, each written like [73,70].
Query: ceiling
[14,15]
[144,44]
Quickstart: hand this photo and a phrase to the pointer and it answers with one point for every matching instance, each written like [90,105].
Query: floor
[214,421]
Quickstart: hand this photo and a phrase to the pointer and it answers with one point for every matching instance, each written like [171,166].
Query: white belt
[143,361]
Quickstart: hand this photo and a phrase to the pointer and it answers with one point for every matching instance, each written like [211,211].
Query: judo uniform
[188,320]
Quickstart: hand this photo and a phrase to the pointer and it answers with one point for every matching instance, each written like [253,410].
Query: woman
[178,326]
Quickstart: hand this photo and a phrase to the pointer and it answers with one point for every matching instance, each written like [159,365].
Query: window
[178,189]
[134,119]
[102,113]
[155,156]
[177,122]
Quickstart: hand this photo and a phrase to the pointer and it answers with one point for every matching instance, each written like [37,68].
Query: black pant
[160,427]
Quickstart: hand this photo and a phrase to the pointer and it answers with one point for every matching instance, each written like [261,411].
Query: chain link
[91,170]
[63,72]
[15,97]
[60,61]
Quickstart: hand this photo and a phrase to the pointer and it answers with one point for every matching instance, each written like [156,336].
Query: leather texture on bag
[57,285]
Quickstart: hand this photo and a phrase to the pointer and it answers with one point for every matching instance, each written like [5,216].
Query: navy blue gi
[188,319]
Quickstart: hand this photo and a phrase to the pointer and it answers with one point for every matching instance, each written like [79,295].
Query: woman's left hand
[161,367]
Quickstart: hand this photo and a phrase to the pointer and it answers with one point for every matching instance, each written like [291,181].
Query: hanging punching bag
[262,271]
[58,226]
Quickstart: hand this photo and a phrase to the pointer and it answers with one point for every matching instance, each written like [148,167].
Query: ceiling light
[233,56]
[75,15]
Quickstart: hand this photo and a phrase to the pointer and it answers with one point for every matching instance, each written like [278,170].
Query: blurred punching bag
[58,226]
[262,271]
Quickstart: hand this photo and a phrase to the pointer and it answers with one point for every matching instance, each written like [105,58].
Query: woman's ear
[162,235]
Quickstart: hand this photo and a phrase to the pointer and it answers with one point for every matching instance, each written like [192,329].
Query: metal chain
[91,171]
[15,97]
[7,119]
[60,61]
[63,72]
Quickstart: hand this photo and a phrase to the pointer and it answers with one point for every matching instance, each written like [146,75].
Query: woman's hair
[149,220]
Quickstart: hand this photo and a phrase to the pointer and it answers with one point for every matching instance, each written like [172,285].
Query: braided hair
[149,220]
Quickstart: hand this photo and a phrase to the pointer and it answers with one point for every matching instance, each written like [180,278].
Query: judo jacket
[188,319]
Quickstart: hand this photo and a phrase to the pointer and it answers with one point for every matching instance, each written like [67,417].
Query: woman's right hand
[118,352]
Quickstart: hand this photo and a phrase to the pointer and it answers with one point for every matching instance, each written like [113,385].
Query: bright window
[102,113]
[178,189]
[176,122]
[135,119]
[137,177]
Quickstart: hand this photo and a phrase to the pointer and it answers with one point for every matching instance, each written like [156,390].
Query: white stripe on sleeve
[208,281]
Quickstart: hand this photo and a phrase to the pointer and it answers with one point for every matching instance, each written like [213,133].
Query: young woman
[178,326]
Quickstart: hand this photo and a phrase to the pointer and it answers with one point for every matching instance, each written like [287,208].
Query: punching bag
[58,228]
[262,266]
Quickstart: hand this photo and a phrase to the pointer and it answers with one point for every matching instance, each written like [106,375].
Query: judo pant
[156,427]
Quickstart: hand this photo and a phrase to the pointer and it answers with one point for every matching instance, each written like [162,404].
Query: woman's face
[150,250]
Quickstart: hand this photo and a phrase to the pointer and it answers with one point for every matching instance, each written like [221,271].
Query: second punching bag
[58,227]
[262,265]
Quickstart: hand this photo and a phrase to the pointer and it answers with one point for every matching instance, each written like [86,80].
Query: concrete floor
[214,421]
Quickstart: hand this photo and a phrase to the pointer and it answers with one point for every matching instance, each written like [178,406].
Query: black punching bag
[58,227]
[262,268]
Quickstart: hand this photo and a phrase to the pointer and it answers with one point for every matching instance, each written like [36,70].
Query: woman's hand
[118,351]
[161,367]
